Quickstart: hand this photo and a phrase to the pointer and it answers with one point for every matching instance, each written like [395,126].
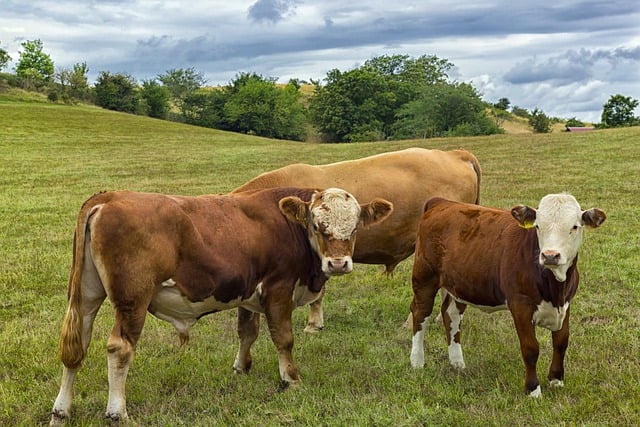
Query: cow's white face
[331,219]
[559,223]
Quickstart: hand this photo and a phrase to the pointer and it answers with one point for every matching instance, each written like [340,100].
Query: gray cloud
[572,66]
[271,10]
[564,57]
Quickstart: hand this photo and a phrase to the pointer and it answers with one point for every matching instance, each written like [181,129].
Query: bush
[520,112]
[573,122]
[539,122]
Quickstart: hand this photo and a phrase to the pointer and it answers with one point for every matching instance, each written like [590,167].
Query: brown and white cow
[494,259]
[183,257]
[407,178]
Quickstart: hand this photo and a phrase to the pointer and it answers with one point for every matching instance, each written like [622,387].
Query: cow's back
[407,178]
[203,240]
[479,244]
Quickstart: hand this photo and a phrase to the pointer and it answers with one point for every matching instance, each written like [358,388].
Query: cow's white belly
[550,317]
[171,305]
[303,296]
[485,308]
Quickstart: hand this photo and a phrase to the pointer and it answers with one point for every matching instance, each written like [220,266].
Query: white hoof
[458,364]
[417,360]
[313,329]
[556,383]
[536,393]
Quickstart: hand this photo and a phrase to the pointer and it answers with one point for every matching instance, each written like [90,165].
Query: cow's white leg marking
[316,317]
[537,392]
[117,376]
[456,358]
[62,405]
[556,383]
[417,346]
[284,366]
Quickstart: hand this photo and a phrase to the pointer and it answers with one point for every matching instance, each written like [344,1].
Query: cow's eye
[574,228]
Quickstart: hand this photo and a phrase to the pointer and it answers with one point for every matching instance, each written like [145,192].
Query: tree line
[388,97]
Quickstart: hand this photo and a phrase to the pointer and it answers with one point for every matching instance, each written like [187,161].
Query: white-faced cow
[406,178]
[494,259]
[183,257]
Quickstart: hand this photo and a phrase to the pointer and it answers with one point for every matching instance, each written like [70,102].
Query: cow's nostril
[551,257]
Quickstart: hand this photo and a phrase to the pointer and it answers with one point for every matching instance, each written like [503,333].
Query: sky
[564,57]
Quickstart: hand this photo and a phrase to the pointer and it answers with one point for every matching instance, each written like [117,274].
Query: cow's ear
[375,211]
[525,216]
[593,217]
[294,209]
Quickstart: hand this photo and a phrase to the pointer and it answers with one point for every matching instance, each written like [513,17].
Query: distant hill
[512,125]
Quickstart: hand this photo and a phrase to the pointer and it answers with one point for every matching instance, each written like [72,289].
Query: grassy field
[357,371]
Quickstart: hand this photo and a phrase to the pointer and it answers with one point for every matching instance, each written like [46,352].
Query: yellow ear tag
[527,225]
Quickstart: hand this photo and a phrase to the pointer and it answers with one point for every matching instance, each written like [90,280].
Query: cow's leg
[93,296]
[529,347]
[425,287]
[248,328]
[452,313]
[316,317]
[278,311]
[120,350]
[560,340]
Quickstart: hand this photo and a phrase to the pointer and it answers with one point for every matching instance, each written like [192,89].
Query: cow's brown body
[183,257]
[407,178]
[483,257]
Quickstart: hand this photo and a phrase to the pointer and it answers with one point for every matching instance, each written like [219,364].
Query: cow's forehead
[558,209]
[335,212]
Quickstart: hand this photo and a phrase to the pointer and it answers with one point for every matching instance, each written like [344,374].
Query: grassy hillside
[357,371]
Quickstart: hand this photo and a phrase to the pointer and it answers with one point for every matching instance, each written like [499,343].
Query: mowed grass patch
[355,372]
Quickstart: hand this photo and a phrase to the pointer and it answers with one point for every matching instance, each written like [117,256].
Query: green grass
[357,371]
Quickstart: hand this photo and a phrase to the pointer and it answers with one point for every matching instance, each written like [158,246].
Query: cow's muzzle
[550,258]
[337,265]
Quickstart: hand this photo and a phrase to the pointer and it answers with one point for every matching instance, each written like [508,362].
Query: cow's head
[331,218]
[559,222]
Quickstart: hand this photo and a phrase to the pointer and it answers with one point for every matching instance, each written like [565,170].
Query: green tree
[361,104]
[618,111]
[71,84]
[116,92]
[352,106]
[444,109]
[290,115]
[156,97]
[423,71]
[181,83]
[205,108]
[256,105]
[502,104]
[5,58]
[35,67]
[573,122]
[539,121]
[79,82]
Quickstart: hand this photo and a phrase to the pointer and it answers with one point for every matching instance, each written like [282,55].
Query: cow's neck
[311,274]
[559,293]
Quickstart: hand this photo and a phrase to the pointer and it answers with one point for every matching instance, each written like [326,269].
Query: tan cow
[407,178]
[181,258]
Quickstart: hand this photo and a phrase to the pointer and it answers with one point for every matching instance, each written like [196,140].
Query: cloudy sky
[566,57]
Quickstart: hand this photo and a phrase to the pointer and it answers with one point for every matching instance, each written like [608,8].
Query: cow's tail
[72,350]
[467,156]
[476,167]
